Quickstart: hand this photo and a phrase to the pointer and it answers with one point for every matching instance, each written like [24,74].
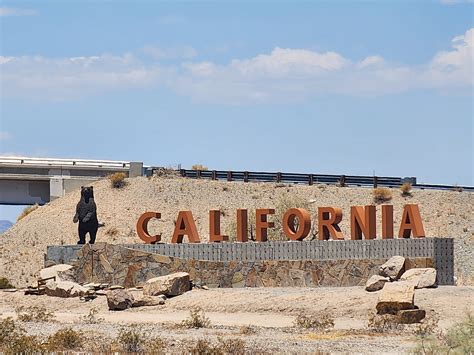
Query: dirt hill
[22,248]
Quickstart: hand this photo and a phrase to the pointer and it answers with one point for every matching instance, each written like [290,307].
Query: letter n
[363,222]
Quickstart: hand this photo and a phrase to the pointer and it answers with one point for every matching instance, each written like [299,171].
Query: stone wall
[114,264]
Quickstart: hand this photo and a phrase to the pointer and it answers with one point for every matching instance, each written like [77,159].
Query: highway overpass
[26,181]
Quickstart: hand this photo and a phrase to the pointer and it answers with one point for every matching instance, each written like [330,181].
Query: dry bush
[247,330]
[13,339]
[232,346]
[117,180]
[224,346]
[406,189]
[197,319]
[5,283]
[34,314]
[204,347]
[382,194]
[459,339]
[65,339]
[386,323]
[92,318]
[26,211]
[132,338]
[321,322]
[199,167]
[112,232]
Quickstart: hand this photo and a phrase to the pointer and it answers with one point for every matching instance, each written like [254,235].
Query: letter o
[289,221]
[142,227]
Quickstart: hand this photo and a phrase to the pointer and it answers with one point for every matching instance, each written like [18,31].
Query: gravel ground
[445,214]
[270,312]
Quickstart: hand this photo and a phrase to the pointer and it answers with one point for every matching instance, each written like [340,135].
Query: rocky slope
[445,214]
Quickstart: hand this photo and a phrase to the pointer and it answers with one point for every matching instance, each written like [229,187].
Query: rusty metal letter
[387,222]
[185,226]
[289,227]
[242,226]
[328,220]
[363,222]
[142,227]
[411,223]
[215,227]
[262,224]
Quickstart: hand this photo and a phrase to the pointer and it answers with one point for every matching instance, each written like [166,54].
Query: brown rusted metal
[185,226]
[215,227]
[387,222]
[289,220]
[262,224]
[363,222]
[242,226]
[328,220]
[142,227]
[411,223]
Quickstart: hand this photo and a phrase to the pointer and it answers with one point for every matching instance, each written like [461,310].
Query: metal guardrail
[19,162]
[310,179]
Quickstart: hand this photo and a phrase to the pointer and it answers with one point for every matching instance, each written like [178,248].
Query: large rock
[411,316]
[393,268]
[118,300]
[65,289]
[375,283]
[149,301]
[396,296]
[63,272]
[421,277]
[169,285]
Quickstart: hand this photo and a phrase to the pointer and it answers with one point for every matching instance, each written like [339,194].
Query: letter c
[142,227]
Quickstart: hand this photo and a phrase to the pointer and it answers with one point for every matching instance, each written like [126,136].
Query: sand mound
[22,248]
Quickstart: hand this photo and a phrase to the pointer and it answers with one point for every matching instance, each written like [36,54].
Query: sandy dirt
[271,311]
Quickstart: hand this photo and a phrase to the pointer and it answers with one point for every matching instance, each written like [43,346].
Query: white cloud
[12,11]
[184,52]
[284,74]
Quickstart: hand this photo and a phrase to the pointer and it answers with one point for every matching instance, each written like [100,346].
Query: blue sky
[323,87]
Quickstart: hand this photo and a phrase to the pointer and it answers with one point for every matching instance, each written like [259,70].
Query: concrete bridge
[26,181]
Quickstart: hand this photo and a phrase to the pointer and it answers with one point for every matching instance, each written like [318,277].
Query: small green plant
[197,319]
[321,322]
[92,317]
[34,314]
[5,283]
[382,195]
[199,167]
[117,180]
[406,189]
[65,339]
[26,211]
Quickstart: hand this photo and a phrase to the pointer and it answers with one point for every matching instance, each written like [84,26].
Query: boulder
[169,285]
[411,316]
[421,277]
[396,296]
[63,272]
[119,299]
[149,301]
[375,283]
[393,268]
[65,289]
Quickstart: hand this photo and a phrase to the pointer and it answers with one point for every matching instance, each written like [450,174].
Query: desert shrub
[117,180]
[26,211]
[24,344]
[34,314]
[204,347]
[382,195]
[232,346]
[132,338]
[5,283]
[197,319]
[406,189]
[247,330]
[65,339]
[155,345]
[8,331]
[322,321]
[199,167]
[91,317]
[112,232]
[385,323]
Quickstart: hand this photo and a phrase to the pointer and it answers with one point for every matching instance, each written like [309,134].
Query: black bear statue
[86,215]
